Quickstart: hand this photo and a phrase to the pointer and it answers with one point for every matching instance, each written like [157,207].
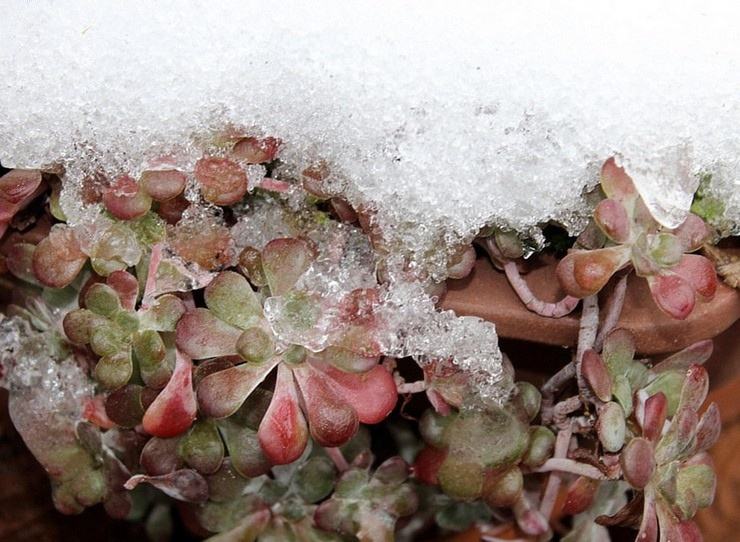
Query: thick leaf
[616,183]
[250,263]
[655,412]
[19,261]
[114,371]
[674,295]
[222,181]
[696,354]
[163,314]
[221,394]
[58,258]
[200,334]
[284,261]
[256,344]
[126,286]
[679,437]
[579,495]
[245,451]
[230,298]
[648,531]
[692,233]
[638,462]
[699,272]
[19,184]
[372,394]
[125,200]
[79,325]
[283,432]
[611,217]
[596,374]
[695,388]
[331,419]
[163,184]
[102,299]
[665,249]
[584,272]
[709,428]
[173,411]
[124,406]
[610,426]
[182,485]
[541,446]
[462,265]
[159,456]
[201,448]
[256,151]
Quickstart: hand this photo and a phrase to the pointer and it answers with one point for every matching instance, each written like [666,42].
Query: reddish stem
[613,312]
[553,482]
[336,455]
[532,302]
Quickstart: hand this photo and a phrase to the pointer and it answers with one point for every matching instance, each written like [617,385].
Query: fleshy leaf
[695,388]
[665,249]
[124,407]
[200,334]
[126,286]
[611,426]
[58,258]
[114,370]
[164,184]
[692,233]
[159,456]
[245,451]
[163,314]
[331,419]
[182,485]
[708,430]
[221,394]
[284,261]
[173,411]
[201,448]
[222,181]
[616,183]
[695,354]
[674,295]
[125,200]
[256,151]
[596,374]
[372,394]
[283,432]
[656,410]
[250,263]
[584,272]
[230,298]
[580,495]
[699,272]
[255,344]
[19,184]
[611,217]
[638,462]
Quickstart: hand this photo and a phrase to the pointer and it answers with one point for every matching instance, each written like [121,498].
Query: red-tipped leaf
[674,295]
[174,409]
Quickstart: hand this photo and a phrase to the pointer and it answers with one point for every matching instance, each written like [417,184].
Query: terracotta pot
[486,293]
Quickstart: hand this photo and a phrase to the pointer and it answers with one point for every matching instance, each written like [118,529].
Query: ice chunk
[440,118]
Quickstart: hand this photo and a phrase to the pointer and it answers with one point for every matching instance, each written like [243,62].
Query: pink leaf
[595,372]
[673,295]
[611,217]
[222,181]
[283,432]
[127,287]
[699,272]
[372,394]
[124,199]
[616,183]
[638,462]
[159,456]
[221,394]
[58,259]
[695,354]
[183,485]
[656,410]
[164,184]
[692,233]
[462,266]
[200,334]
[709,428]
[649,525]
[257,151]
[173,411]
[584,272]
[284,261]
[695,388]
[19,184]
[331,419]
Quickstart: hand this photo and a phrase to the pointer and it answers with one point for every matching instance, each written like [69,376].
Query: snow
[438,115]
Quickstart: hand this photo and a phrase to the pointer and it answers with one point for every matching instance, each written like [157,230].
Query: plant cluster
[246,381]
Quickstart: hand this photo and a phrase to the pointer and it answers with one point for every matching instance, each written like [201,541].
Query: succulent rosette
[633,237]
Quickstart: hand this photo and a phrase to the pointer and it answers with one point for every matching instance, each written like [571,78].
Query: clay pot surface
[486,293]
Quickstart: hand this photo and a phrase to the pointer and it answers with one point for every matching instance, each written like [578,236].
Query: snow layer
[444,116]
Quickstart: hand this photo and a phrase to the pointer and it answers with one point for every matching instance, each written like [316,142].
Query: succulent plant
[631,236]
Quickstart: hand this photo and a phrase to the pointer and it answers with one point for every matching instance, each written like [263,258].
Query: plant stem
[411,387]
[586,339]
[532,302]
[553,386]
[336,455]
[613,311]
[553,482]
[573,467]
